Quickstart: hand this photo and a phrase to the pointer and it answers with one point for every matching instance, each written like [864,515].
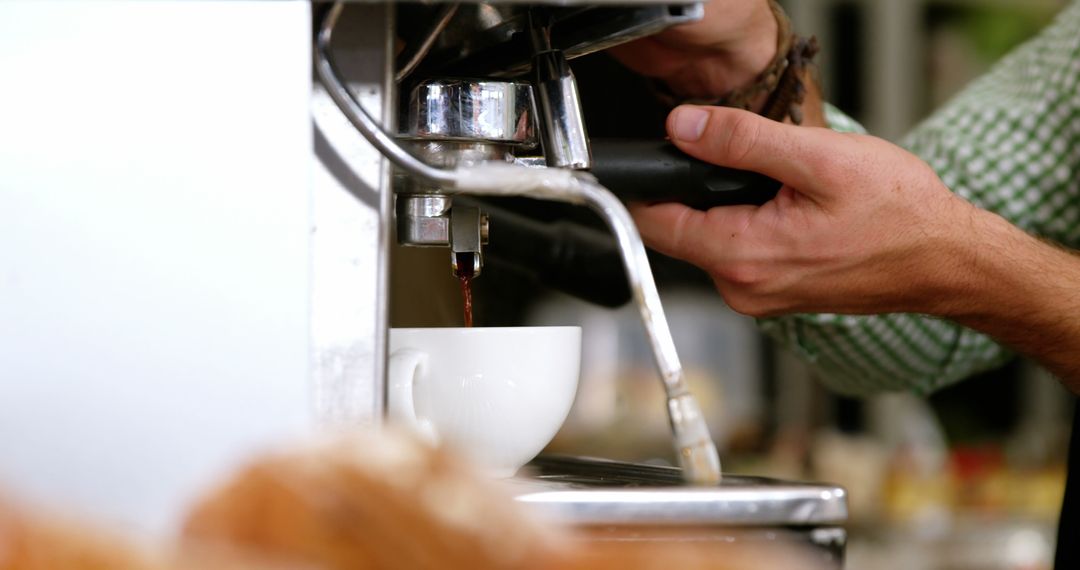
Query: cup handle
[405,365]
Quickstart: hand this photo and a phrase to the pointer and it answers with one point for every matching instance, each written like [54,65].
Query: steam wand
[562,135]
[697,453]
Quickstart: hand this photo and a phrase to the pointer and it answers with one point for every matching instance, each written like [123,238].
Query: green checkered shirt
[1009,143]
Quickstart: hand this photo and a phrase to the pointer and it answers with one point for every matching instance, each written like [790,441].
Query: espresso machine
[459,136]
[421,109]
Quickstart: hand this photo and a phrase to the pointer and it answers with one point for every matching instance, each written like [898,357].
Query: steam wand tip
[698,457]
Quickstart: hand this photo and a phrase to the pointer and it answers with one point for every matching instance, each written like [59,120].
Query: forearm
[866,354]
[1023,292]
[961,143]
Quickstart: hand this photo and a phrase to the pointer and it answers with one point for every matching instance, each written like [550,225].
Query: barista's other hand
[726,50]
[860,225]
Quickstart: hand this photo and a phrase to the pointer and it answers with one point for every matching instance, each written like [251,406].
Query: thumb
[740,139]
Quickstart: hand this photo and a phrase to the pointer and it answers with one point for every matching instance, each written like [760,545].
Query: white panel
[155,166]
[350,235]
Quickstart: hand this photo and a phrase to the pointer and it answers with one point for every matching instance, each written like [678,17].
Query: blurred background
[970,477]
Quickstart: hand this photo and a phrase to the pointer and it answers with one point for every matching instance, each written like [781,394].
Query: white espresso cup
[497,395]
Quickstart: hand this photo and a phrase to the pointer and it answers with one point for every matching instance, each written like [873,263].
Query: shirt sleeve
[1009,143]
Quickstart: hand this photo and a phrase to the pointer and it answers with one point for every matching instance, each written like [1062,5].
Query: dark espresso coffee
[466,296]
[465,276]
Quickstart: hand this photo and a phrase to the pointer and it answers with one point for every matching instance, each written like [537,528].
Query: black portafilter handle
[656,171]
[585,262]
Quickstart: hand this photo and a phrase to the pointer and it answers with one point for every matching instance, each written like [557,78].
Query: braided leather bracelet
[782,80]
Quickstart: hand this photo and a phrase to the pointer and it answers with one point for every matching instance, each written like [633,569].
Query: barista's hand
[860,226]
[727,50]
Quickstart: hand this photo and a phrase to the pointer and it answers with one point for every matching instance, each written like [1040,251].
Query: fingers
[743,140]
[685,233]
[667,227]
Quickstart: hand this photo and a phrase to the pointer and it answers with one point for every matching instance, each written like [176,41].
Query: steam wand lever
[562,131]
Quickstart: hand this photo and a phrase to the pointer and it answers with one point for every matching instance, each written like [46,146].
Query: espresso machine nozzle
[466,230]
[453,123]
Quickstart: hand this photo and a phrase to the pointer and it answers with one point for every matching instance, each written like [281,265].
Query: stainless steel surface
[697,453]
[465,248]
[563,136]
[454,123]
[427,205]
[423,220]
[472,111]
[411,60]
[530,161]
[597,492]
[426,217]
[350,235]
[491,40]
[451,154]
[564,139]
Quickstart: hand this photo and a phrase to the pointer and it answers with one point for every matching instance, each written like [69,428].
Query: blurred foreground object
[370,502]
[388,501]
[31,544]
[366,502]
[32,541]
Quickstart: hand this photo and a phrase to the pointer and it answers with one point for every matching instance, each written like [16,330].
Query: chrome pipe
[354,111]
[697,453]
[422,50]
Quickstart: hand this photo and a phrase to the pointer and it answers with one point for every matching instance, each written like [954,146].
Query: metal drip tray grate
[600,492]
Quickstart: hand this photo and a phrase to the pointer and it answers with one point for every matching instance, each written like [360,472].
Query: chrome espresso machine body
[416,106]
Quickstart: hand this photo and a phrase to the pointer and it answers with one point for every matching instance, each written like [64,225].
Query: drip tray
[597,492]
